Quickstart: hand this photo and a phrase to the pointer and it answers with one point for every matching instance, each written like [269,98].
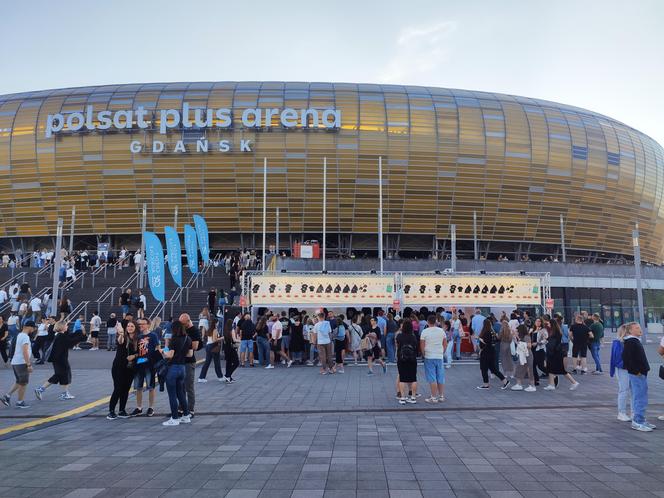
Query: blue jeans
[594,351]
[456,338]
[639,386]
[125,309]
[623,389]
[389,347]
[448,353]
[263,350]
[176,390]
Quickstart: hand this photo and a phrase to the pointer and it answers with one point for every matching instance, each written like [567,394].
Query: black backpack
[407,353]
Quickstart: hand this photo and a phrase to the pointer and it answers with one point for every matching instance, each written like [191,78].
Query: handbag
[661,372]
[365,344]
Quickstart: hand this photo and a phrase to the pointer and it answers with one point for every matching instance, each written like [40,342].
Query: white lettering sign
[168,119]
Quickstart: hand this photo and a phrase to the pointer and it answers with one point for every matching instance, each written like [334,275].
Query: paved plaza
[293,433]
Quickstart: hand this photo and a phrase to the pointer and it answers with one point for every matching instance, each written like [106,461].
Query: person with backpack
[406,344]
[433,343]
[58,354]
[355,337]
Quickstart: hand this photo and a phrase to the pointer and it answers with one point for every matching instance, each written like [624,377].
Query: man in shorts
[580,333]
[275,343]
[95,325]
[433,343]
[145,372]
[21,364]
[247,331]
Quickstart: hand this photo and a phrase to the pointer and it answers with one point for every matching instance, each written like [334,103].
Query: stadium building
[515,163]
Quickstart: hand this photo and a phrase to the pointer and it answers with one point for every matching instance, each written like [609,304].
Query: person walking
[636,363]
[230,342]
[179,350]
[59,356]
[4,340]
[323,332]
[506,338]
[372,349]
[617,369]
[95,326]
[122,371]
[487,340]
[212,353]
[432,344]
[597,334]
[554,358]
[21,364]
[524,365]
[538,341]
[580,336]
[340,341]
[406,354]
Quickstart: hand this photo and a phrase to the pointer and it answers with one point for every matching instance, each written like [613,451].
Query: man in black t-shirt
[247,330]
[125,302]
[579,335]
[285,334]
[190,362]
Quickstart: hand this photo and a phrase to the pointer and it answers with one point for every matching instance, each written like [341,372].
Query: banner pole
[324,211]
[380,211]
[264,205]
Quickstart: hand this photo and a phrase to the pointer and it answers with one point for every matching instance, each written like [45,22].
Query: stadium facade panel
[519,163]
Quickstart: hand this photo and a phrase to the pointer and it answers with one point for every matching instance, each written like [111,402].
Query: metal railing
[108,294]
[80,307]
[48,268]
[97,271]
[11,280]
[66,285]
[119,264]
[128,283]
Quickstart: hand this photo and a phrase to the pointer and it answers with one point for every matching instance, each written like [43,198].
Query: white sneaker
[66,395]
[269,367]
[517,387]
[661,417]
[641,427]
[574,386]
[448,366]
[185,419]
[402,401]
[530,389]
[411,399]
[222,379]
[623,417]
[202,381]
[550,387]
[171,421]
[290,362]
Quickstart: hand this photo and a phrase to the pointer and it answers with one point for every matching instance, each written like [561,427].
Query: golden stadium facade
[517,162]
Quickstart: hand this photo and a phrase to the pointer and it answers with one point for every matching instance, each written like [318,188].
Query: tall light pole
[56,268]
[277,234]
[264,205]
[476,250]
[380,211]
[141,273]
[562,237]
[175,219]
[639,286]
[453,237]
[324,210]
[71,230]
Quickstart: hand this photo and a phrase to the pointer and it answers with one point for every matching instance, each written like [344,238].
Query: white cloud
[419,51]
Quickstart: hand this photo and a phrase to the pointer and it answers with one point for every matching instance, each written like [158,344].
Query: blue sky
[606,56]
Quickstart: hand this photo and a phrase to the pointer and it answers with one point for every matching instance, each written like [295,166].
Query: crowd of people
[518,349]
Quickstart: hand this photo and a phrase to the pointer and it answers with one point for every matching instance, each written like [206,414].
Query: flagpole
[264,205]
[324,209]
[380,211]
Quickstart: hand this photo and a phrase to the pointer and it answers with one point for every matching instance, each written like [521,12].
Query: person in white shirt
[3,296]
[137,261]
[433,342]
[35,307]
[323,331]
[95,325]
[22,366]
[275,343]
[40,344]
[70,274]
